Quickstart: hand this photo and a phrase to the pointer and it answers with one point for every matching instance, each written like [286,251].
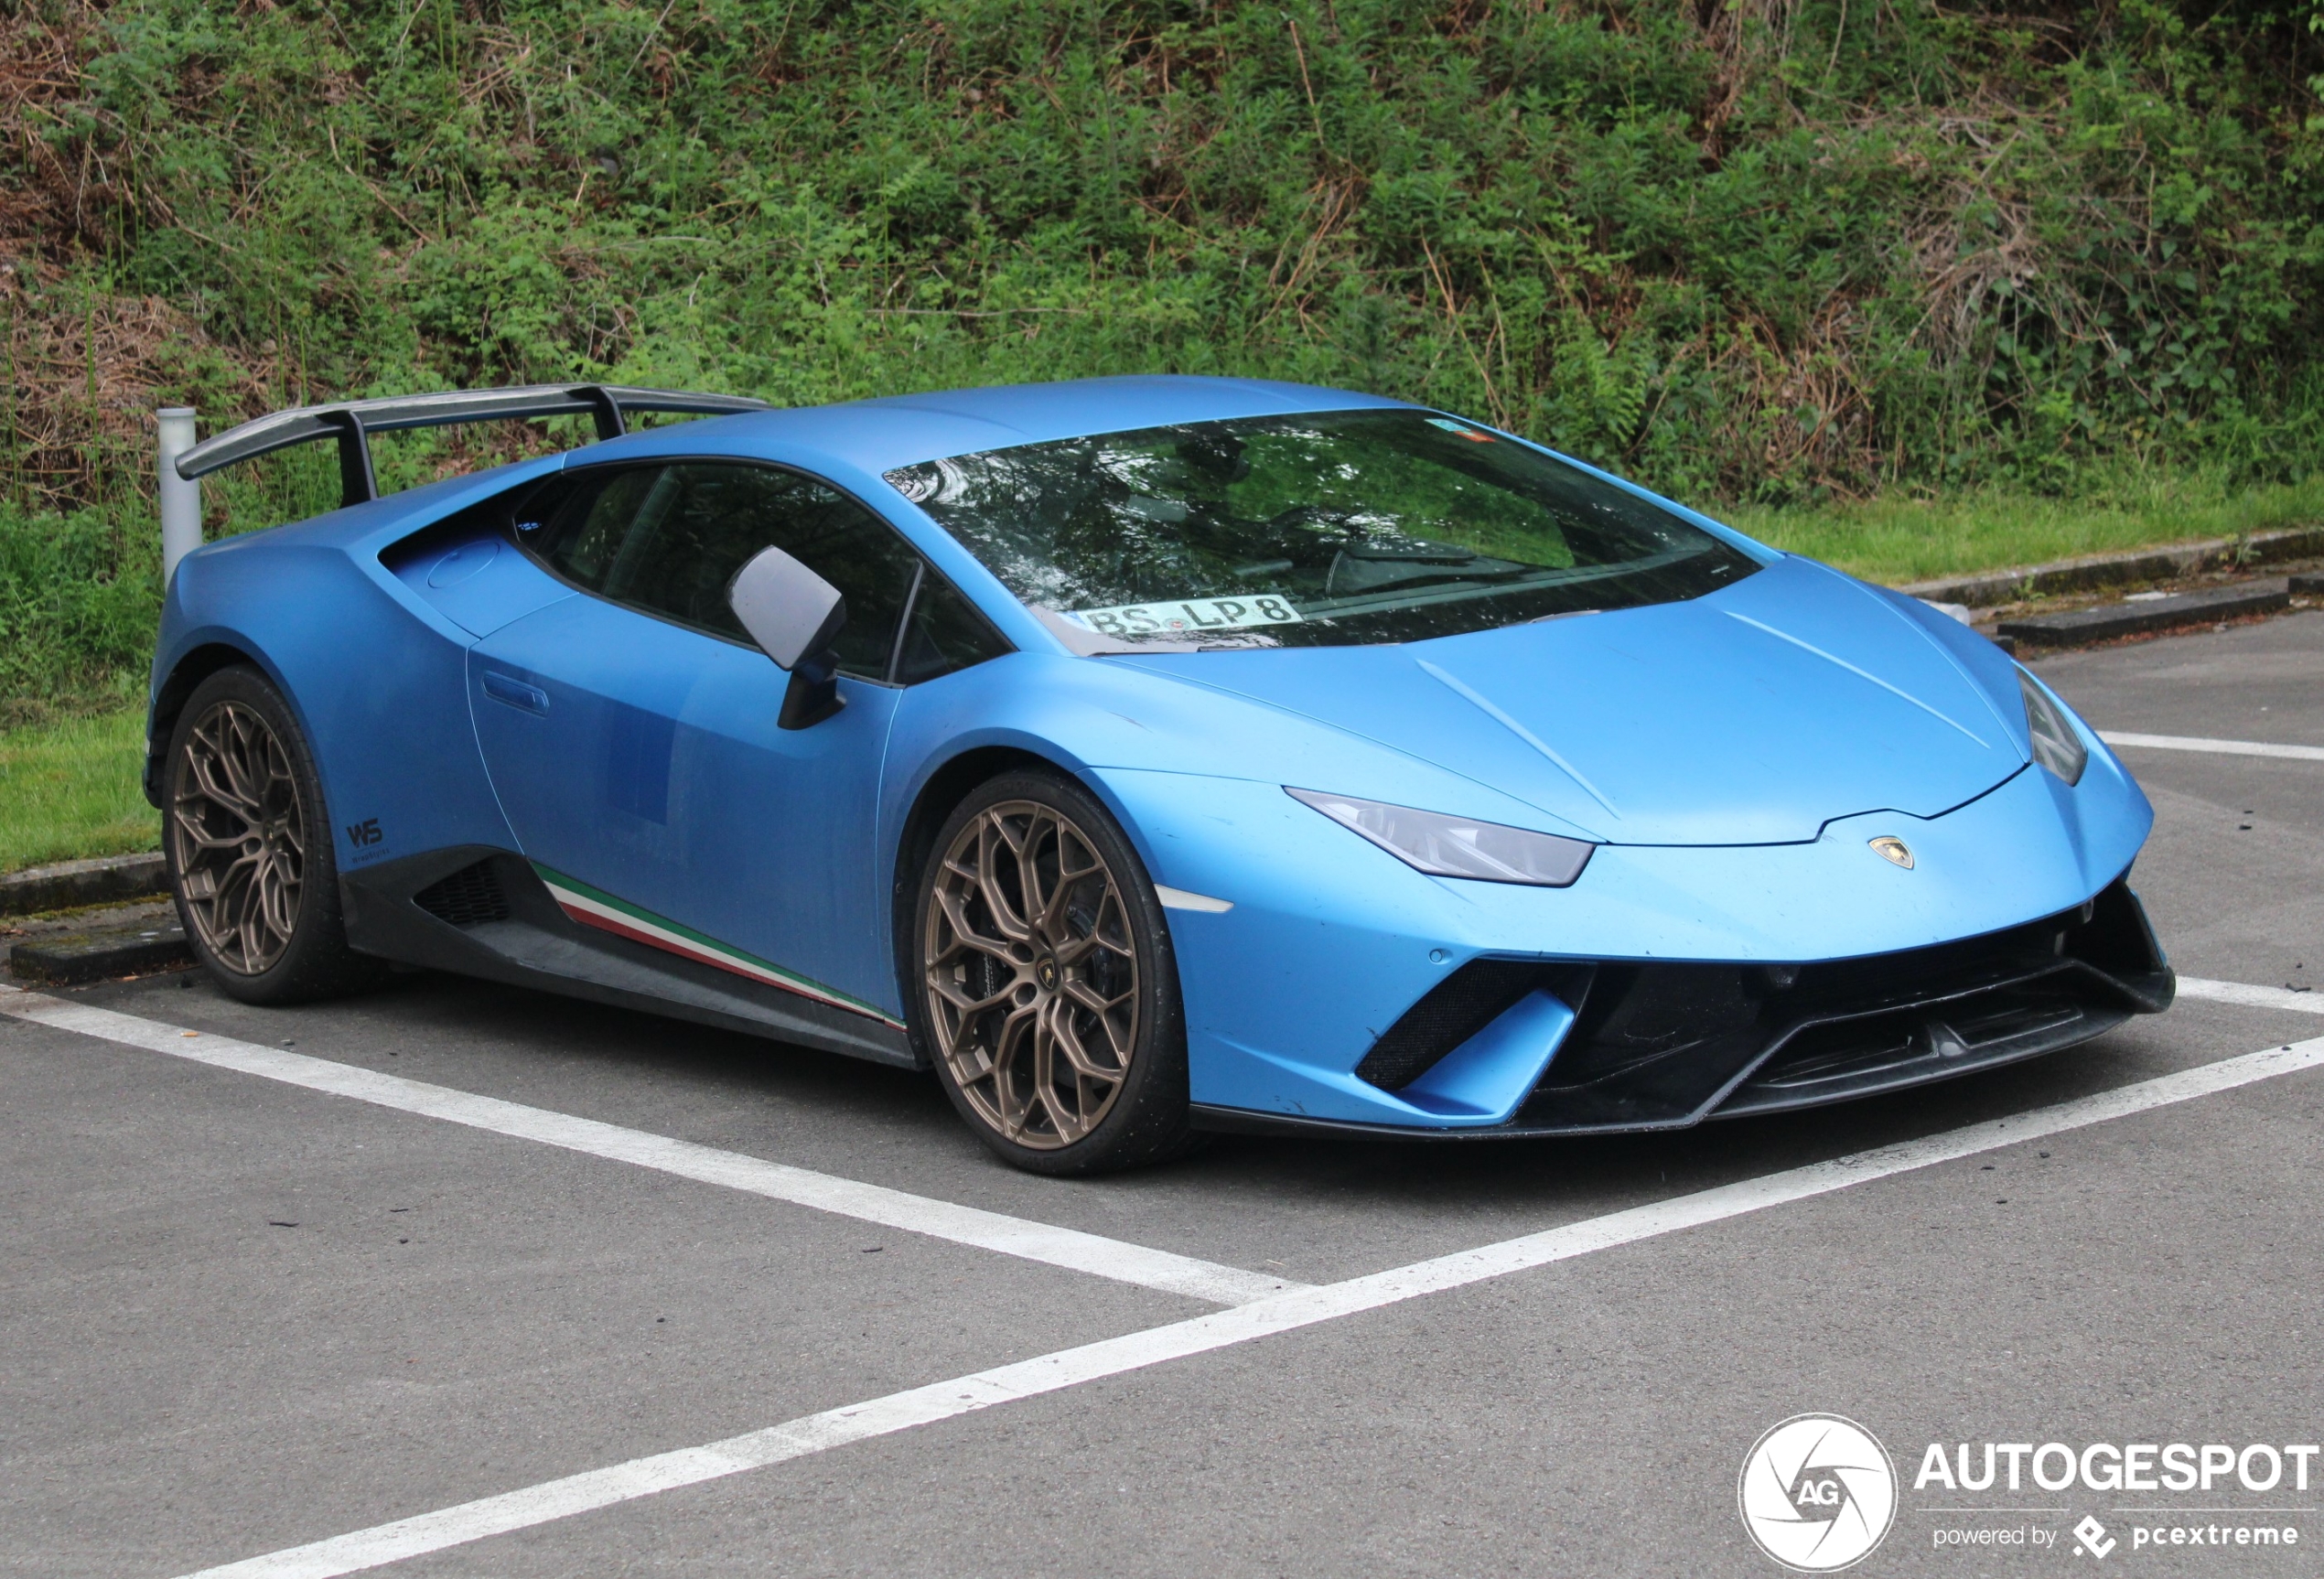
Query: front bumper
[1657,1046]
[1330,942]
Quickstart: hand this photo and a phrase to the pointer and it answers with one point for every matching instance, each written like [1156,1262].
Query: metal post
[181,499]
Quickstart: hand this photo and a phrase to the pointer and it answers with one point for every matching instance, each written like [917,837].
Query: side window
[946,633]
[670,540]
[583,525]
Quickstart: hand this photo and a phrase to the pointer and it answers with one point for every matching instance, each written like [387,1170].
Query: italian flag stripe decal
[596,907]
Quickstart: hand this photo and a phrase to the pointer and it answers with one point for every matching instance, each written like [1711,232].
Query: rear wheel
[1046,993]
[248,847]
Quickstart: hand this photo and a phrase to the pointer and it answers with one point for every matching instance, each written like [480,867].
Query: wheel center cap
[1045,972]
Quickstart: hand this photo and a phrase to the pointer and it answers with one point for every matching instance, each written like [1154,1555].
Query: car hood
[1753,715]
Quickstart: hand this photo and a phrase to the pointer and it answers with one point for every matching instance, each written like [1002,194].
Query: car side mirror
[793,614]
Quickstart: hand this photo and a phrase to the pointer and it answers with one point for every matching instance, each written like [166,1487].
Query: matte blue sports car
[1146,756]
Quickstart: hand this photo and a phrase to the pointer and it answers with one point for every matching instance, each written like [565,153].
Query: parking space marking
[2303,1002]
[968,1225]
[597,1488]
[2223,747]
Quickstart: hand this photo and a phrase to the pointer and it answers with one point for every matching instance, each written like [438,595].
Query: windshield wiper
[1404,593]
[1361,575]
[1416,552]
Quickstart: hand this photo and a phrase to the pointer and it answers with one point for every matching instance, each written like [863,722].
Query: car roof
[878,436]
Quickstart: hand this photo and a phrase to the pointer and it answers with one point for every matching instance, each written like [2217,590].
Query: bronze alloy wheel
[238,834]
[1031,973]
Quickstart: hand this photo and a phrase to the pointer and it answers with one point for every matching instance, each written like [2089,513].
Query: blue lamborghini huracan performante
[1143,756]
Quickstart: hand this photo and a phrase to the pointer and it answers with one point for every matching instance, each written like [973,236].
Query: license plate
[1189,618]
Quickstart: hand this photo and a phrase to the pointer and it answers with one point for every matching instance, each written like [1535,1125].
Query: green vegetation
[1899,539]
[1918,286]
[78,596]
[71,788]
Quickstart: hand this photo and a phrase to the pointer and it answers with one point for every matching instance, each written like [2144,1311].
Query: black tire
[1118,954]
[249,844]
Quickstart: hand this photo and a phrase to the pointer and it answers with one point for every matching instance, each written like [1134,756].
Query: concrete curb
[61,959]
[70,883]
[2116,619]
[2102,570]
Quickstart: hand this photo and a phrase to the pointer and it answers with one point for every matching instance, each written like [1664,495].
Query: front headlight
[1456,846]
[2057,745]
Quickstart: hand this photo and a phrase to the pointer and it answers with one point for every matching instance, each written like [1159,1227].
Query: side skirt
[595,908]
[478,911]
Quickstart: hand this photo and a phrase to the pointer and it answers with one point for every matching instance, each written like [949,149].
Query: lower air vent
[469,897]
[1638,1014]
[1453,1011]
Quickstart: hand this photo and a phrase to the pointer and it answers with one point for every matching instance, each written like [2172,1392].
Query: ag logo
[1817,1493]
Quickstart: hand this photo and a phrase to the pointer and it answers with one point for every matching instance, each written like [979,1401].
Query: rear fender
[375,678]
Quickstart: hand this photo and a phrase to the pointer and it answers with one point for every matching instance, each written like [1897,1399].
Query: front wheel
[1046,994]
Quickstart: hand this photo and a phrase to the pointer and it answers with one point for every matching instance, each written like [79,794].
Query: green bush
[77,611]
[1771,253]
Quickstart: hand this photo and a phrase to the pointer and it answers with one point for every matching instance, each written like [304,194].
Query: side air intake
[469,897]
[1456,1009]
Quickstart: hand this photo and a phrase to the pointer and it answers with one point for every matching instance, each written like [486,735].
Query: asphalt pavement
[475,1317]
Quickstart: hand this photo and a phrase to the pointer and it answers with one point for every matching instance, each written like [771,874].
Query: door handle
[515,693]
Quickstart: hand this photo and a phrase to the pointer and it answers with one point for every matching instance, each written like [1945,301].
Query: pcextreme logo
[1817,1493]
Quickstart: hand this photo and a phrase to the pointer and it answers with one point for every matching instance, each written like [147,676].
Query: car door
[630,732]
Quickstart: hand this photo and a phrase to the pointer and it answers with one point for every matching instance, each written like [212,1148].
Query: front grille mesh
[1637,1015]
[469,897]
[1960,1028]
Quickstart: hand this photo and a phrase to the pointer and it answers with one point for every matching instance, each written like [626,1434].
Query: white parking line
[2223,747]
[812,1433]
[2310,1003]
[1094,1254]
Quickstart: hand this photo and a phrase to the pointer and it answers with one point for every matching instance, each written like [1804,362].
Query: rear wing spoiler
[351,423]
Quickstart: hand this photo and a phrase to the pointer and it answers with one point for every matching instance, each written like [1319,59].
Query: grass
[1903,540]
[71,788]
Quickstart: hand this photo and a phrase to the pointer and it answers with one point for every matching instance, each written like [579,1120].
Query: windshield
[1331,529]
